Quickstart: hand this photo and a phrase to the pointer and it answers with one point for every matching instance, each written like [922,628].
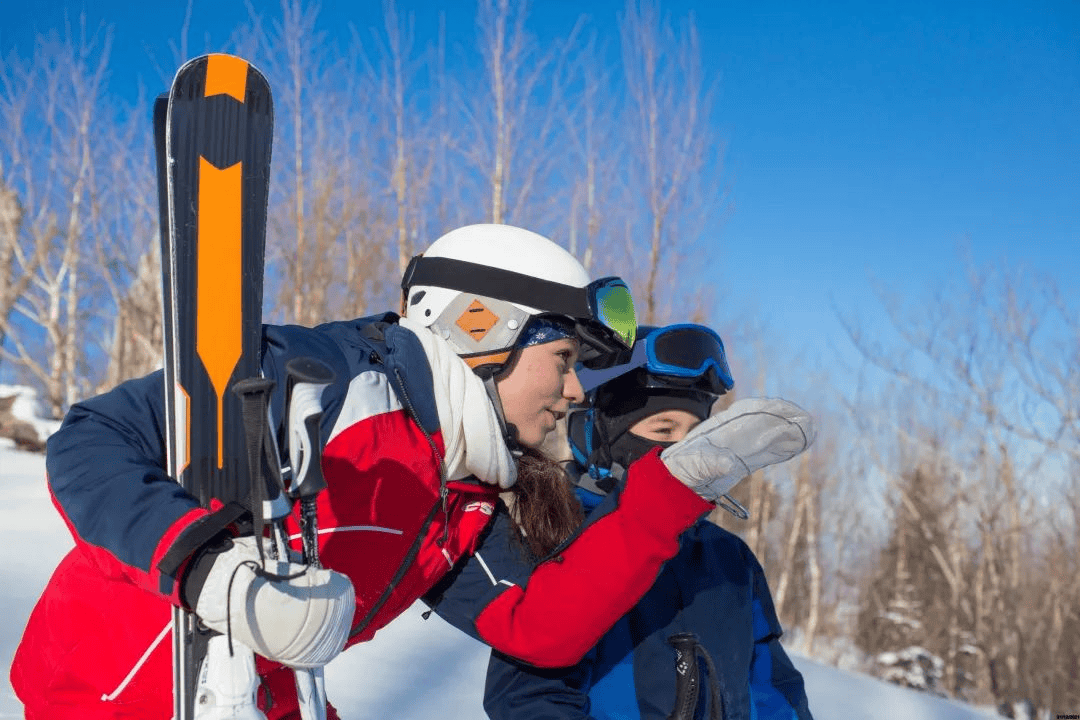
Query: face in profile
[665,426]
[539,389]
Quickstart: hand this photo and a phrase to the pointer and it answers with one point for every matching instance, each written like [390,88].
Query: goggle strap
[464,276]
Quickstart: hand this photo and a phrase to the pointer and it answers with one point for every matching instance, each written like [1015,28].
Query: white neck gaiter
[470,429]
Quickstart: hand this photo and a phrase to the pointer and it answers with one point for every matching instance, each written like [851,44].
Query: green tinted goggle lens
[615,310]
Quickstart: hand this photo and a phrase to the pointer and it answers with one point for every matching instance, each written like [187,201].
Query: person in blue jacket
[704,641]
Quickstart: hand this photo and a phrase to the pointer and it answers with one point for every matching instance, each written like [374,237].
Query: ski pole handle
[306,380]
[687,676]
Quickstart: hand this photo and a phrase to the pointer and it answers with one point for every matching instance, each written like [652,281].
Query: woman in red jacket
[431,416]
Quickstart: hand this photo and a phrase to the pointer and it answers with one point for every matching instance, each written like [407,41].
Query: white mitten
[300,618]
[725,448]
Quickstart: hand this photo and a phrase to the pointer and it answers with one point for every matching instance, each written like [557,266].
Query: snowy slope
[414,668]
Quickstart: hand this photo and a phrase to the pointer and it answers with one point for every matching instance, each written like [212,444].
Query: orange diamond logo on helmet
[477,320]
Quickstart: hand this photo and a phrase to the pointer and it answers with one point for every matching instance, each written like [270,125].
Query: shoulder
[724,546]
[371,356]
[718,537]
[353,340]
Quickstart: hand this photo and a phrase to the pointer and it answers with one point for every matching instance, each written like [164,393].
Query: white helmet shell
[475,324]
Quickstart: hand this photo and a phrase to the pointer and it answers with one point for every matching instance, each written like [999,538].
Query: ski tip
[219,74]
[226,75]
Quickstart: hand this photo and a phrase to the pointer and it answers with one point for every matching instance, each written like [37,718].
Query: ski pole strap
[254,402]
[196,536]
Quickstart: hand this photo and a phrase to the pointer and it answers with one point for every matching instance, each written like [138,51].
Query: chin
[530,441]
[534,437]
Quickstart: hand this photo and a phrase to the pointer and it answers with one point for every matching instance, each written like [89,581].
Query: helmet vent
[477,320]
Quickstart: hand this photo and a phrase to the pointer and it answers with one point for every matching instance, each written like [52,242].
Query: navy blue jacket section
[501,560]
[714,588]
[123,430]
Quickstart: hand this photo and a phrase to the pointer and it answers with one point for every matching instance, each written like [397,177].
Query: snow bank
[28,409]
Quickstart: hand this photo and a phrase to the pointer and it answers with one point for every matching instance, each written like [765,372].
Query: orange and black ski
[213,135]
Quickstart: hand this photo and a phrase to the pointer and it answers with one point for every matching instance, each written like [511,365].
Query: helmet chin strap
[509,430]
[488,373]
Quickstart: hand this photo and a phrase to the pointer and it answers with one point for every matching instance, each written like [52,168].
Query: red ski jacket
[98,643]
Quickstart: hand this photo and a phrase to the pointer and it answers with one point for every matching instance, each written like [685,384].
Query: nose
[572,389]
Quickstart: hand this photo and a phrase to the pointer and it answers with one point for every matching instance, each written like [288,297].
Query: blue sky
[874,141]
[864,139]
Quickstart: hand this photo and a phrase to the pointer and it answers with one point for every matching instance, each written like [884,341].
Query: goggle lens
[688,351]
[614,308]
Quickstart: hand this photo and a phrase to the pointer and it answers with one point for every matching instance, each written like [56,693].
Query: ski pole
[306,380]
[228,680]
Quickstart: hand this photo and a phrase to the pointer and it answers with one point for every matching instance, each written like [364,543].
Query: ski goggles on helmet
[603,310]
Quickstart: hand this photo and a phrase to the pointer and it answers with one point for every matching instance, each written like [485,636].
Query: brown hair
[544,509]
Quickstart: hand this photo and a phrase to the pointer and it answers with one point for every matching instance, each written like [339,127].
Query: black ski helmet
[675,367]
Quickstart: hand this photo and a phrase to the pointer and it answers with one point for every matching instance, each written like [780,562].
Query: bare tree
[800,576]
[17,262]
[325,226]
[51,163]
[669,105]
[513,116]
[988,373]
[399,38]
[407,130]
[593,160]
[127,250]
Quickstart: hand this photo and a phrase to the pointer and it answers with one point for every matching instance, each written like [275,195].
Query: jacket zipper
[414,549]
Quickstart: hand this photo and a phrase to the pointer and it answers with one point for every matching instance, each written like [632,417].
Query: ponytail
[544,509]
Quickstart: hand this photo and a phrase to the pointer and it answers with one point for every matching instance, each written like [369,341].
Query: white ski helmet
[478,286]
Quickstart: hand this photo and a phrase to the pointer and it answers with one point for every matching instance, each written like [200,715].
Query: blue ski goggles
[603,310]
[688,351]
[680,356]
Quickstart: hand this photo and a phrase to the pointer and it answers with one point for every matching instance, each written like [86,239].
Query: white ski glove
[301,621]
[725,448]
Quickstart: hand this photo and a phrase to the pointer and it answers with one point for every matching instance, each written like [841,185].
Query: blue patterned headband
[544,330]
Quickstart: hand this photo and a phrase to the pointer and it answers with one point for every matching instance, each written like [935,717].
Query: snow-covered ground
[414,668]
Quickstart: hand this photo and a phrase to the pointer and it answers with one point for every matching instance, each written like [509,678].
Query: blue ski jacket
[714,589]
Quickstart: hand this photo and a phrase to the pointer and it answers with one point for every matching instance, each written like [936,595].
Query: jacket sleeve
[515,691]
[776,687]
[539,617]
[106,469]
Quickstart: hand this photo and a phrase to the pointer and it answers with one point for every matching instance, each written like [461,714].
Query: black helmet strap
[464,276]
